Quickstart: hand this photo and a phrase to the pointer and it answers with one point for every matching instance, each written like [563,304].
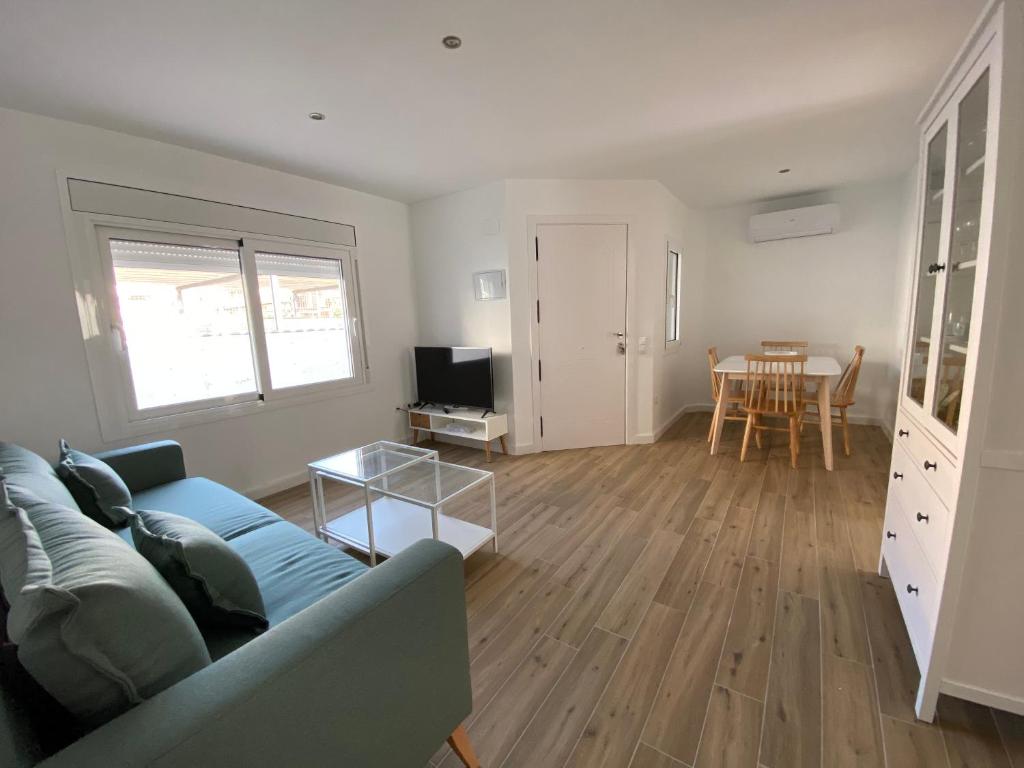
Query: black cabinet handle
[933,268]
[930,464]
[897,475]
[890,535]
[911,590]
[904,432]
[921,517]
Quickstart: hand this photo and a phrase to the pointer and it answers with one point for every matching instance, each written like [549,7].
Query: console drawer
[916,587]
[925,513]
[941,473]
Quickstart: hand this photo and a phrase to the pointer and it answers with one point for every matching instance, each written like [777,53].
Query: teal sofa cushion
[212,580]
[222,510]
[98,489]
[293,569]
[95,624]
[28,471]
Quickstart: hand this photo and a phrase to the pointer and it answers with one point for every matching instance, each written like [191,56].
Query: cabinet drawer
[912,578]
[419,421]
[925,513]
[939,471]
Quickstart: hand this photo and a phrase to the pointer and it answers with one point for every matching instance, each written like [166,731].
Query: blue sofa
[360,667]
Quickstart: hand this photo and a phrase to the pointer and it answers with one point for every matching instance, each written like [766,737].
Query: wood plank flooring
[656,607]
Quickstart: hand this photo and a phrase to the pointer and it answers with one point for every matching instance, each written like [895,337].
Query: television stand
[467,423]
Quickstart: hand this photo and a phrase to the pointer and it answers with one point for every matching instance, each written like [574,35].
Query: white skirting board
[983,696]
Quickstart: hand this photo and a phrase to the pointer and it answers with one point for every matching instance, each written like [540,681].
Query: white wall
[836,291]
[45,392]
[451,241]
[453,237]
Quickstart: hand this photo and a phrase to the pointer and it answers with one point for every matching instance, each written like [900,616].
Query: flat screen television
[458,376]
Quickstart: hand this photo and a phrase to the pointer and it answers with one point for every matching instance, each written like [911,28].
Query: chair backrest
[771,347]
[775,383]
[716,381]
[848,381]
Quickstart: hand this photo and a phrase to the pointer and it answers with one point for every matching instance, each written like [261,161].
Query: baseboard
[691,408]
[276,486]
[985,696]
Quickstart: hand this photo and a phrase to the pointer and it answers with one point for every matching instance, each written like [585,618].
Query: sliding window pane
[184,317]
[305,318]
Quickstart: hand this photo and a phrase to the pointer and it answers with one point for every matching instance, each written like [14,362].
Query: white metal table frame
[417,455]
[819,369]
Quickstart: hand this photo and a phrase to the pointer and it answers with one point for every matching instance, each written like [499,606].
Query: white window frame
[98,310]
[673,311]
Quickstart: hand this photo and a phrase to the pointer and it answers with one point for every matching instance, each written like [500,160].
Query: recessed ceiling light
[451,42]
[783,170]
[317,116]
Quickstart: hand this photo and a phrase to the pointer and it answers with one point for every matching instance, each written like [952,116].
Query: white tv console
[467,423]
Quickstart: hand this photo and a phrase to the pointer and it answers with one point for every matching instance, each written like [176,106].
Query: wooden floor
[654,606]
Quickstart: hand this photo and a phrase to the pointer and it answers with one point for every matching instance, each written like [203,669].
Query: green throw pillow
[98,490]
[212,580]
[94,623]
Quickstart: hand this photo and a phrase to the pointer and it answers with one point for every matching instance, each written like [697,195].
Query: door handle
[620,334]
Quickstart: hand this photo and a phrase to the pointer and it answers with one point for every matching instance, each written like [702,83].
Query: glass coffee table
[405,490]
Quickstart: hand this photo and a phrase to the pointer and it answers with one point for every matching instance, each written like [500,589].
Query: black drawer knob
[911,590]
[897,475]
[921,517]
[890,535]
[930,464]
[904,432]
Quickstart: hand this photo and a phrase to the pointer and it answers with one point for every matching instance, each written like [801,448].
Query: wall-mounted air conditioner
[798,222]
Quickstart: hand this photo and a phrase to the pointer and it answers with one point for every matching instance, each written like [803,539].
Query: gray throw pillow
[94,623]
[212,580]
[98,490]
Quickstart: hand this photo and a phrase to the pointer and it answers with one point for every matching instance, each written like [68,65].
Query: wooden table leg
[504,445]
[825,409]
[487,449]
[719,417]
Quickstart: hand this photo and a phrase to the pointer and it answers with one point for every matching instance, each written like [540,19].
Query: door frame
[532,224]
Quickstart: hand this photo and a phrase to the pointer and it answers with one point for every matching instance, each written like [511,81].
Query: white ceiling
[709,97]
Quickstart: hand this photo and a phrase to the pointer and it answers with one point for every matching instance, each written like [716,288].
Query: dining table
[817,369]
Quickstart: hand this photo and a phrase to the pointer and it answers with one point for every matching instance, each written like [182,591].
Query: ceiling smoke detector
[451,42]
[317,116]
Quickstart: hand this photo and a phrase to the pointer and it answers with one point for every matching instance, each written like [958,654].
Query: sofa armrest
[376,674]
[147,465]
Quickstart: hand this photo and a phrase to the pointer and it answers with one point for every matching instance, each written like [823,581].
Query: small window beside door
[673,288]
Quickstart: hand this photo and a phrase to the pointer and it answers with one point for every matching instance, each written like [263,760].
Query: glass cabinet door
[960,266]
[921,343]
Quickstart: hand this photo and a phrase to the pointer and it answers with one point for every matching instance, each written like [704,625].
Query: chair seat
[782,409]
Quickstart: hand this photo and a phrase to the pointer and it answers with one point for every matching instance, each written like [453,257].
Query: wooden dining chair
[774,388]
[773,347]
[842,397]
[734,398]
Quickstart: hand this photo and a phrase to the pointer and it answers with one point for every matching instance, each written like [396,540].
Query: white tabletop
[815,366]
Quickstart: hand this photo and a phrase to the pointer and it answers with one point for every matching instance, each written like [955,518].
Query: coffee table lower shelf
[398,524]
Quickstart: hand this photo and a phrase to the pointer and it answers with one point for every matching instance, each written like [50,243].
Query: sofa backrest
[30,471]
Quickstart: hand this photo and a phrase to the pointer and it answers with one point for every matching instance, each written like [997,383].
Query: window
[673,286]
[304,319]
[205,322]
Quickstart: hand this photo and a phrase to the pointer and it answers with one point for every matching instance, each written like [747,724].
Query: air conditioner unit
[798,222]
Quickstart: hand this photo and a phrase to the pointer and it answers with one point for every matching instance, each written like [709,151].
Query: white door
[581,285]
